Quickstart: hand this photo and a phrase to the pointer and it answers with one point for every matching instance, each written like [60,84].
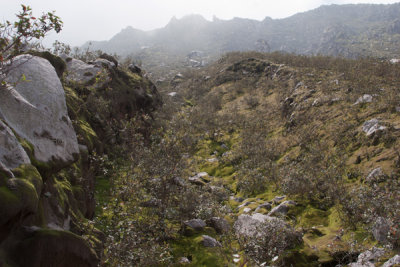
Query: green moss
[225,171]
[102,192]
[311,216]
[192,247]
[30,173]
[64,190]
[86,134]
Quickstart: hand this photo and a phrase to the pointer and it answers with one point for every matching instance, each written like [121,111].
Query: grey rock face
[36,110]
[11,152]
[372,126]
[82,73]
[393,261]
[210,242]
[196,224]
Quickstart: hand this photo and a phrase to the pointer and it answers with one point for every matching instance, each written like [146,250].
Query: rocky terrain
[245,159]
[57,118]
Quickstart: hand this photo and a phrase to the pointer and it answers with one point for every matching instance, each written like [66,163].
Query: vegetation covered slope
[346,30]
[280,135]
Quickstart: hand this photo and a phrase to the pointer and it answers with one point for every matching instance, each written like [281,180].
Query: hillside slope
[301,151]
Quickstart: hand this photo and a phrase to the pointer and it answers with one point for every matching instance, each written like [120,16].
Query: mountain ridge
[348,30]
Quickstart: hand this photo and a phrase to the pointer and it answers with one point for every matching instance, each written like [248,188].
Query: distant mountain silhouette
[348,30]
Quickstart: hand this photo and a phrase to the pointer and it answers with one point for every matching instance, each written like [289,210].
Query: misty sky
[101,19]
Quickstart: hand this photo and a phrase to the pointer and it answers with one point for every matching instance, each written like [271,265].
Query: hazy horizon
[100,20]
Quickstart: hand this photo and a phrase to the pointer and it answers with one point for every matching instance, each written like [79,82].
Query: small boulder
[392,262]
[278,199]
[198,179]
[135,69]
[184,260]
[265,205]
[210,242]
[381,229]
[367,258]
[219,224]
[364,99]
[376,176]
[282,208]
[372,126]
[196,224]
[109,58]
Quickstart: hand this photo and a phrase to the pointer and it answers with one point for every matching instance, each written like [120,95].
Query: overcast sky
[101,19]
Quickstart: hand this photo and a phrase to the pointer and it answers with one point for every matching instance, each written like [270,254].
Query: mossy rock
[57,62]
[18,199]
[45,247]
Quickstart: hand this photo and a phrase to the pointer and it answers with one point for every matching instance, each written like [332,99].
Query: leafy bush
[14,36]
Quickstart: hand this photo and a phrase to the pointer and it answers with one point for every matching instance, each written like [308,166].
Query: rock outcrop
[48,133]
[35,109]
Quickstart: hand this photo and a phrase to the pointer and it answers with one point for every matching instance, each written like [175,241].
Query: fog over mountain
[347,30]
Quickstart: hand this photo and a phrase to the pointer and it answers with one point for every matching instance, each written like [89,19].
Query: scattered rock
[395,60]
[372,126]
[101,62]
[367,258]
[266,206]
[109,58]
[198,179]
[381,229]
[364,99]
[245,204]
[219,224]
[278,199]
[376,176]
[246,225]
[36,110]
[246,210]
[135,69]
[172,94]
[212,160]
[196,224]
[282,208]
[239,199]
[184,260]
[392,262]
[210,242]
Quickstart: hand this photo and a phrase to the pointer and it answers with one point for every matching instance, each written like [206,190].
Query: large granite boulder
[12,154]
[33,105]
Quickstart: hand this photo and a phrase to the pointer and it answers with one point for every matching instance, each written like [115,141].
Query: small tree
[14,36]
